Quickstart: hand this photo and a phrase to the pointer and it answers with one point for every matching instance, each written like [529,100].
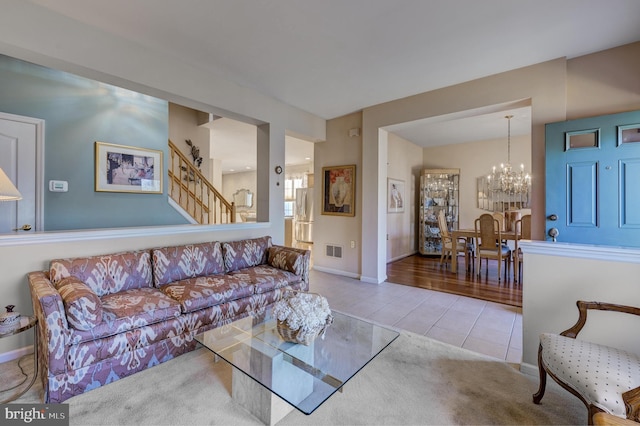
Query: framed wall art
[121,168]
[395,196]
[339,190]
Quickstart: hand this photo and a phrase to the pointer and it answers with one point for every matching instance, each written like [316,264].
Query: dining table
[471,233]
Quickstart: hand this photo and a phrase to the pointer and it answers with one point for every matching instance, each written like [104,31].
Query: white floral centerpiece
[302,317]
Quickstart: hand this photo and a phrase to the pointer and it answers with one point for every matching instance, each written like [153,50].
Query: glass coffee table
[271,376]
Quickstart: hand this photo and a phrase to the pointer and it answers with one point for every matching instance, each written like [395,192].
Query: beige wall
[556,275]
[544,85]
[339,149]
[404,162]
[605,82]
[184,124]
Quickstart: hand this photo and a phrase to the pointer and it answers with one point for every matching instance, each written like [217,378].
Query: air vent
[333,251]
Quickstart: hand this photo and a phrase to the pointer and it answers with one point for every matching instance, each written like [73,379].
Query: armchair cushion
[580,365]
[82,306]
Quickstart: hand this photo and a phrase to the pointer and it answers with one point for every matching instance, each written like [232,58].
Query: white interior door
[21,142]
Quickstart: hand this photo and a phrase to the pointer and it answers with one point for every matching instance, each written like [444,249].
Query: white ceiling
[333,57]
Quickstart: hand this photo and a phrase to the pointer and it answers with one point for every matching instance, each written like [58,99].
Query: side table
[25,324]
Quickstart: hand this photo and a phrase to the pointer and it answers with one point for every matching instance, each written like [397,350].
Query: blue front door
[593,180]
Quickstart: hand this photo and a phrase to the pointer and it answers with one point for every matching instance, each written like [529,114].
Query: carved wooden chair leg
[537,397]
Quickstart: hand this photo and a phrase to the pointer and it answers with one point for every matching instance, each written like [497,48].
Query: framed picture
[339,190]
[122,168]
[395,196]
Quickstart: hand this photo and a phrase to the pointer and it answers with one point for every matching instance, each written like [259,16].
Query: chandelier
[509,182]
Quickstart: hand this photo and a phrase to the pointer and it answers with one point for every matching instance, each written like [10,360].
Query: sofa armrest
[306,260]
[53,329]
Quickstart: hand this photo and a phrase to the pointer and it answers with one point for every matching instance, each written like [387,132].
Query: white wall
[404,162]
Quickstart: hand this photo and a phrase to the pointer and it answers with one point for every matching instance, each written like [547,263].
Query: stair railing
[194,193]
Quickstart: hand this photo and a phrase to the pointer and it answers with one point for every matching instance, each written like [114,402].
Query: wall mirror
[243,198]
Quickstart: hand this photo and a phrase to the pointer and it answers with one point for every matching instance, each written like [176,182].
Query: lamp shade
[8,191]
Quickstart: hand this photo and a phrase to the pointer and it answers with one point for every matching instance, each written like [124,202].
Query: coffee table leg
[258,400]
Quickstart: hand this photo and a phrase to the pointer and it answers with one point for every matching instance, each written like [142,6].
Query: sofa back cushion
[106,274]
[246,253]
[177,263]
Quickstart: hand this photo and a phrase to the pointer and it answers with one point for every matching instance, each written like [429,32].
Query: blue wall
[77,113]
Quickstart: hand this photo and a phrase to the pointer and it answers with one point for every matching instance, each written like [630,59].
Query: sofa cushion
[288,260]
[245,253]
[266,278]
[106,274]
[138,307]
[186,261]
[202,292]
[82,306]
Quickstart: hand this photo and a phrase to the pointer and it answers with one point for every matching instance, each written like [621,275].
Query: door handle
[553,233]
[25,227]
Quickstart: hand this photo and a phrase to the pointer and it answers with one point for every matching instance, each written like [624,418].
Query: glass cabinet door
[438,192]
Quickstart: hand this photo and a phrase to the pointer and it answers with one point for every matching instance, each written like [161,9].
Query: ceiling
[334,57]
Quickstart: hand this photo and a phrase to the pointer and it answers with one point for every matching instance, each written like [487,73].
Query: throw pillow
[82,306]
[286,260]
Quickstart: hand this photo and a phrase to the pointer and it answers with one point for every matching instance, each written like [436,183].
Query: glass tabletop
[304,376]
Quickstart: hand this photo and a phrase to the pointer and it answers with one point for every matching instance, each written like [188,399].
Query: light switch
[58,186]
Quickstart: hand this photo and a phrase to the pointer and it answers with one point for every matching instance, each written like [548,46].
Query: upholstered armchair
[605,379]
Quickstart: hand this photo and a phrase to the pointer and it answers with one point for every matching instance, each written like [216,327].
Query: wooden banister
[194,193]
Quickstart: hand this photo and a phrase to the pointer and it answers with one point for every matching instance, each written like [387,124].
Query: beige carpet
[415,381]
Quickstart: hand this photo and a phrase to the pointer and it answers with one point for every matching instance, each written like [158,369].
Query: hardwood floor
[426,272]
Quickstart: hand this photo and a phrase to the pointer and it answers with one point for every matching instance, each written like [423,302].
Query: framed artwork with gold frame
[339,190]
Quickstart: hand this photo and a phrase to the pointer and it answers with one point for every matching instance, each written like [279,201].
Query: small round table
[25,324]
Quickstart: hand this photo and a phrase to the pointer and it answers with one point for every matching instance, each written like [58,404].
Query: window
[288,208]
[291,183]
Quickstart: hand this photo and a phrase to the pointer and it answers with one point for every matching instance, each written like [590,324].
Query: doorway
[21,147]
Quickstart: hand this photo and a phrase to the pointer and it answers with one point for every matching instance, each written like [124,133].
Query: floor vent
[333,251]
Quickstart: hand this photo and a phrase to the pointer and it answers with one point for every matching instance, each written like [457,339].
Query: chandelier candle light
[510,185]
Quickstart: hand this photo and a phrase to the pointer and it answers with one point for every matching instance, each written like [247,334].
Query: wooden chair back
[487,229]
[523,227]
[442,224]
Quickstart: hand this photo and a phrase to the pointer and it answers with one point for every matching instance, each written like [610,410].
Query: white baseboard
[336,272]
[529,369]
[15,354]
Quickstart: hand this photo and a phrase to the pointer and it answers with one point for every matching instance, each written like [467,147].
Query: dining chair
[500,217]
[487,233]
[523,230]
[450,247]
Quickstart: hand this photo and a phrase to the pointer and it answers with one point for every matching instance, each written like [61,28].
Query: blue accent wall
[77,113]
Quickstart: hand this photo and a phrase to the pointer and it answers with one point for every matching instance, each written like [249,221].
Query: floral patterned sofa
[102,318]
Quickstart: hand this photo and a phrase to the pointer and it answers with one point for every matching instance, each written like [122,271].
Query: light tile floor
[486,327]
